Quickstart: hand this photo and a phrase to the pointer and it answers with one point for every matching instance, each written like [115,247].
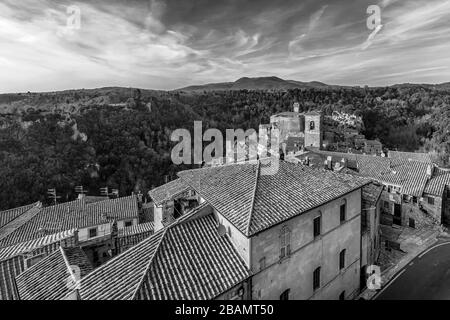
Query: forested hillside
[120,137]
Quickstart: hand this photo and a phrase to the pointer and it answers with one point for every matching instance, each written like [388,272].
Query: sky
[155,44]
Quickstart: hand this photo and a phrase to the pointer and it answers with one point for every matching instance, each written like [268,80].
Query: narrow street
[426,277]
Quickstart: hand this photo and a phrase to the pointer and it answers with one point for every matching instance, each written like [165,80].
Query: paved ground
[426,277]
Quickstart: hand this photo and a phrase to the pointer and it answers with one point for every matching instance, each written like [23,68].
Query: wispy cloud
[169,44]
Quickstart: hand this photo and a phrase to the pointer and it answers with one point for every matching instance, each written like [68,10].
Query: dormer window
[128,223]
[92,232]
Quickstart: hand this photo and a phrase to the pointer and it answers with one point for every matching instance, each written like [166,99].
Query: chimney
[337,166]
[430,170]
[307,160]
[329,163]
[75,237]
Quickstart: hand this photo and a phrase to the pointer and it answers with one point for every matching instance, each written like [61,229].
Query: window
[128,223]
[342,295]
[386,205]
[31,261]
[285,295]
[262,263]
[431,201]
[342,260]
[316,279]
[343,210]
[285,242]
[317,226]
[311,125]
[92,232]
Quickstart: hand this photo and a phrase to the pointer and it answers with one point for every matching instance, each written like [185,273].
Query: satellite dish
[222,230]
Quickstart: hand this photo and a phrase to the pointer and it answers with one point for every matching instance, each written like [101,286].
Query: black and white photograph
[233,153]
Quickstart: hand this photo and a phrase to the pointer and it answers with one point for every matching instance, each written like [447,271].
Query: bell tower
[313,129]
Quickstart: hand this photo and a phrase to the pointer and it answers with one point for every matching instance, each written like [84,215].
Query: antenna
[105,192]
[80,190]
[52,195]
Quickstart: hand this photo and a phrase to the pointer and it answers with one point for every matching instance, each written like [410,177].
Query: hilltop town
[244,231]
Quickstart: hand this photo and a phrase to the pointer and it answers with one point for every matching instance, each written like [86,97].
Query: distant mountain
[438,86]
[261,83]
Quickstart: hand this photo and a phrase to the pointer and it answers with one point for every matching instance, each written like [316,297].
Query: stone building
[370,227]
[28,234]
[313,129]
[255,235]
[296,129]
[170,201]
[415,193]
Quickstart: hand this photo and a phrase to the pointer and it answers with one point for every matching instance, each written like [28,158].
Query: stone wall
[307,253]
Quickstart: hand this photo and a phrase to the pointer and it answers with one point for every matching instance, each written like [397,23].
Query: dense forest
[120,138]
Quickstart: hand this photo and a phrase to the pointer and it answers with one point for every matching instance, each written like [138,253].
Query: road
[427,277]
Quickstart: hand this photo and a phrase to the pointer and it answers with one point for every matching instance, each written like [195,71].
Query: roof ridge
[25,217]
[247,231]
[16,208]
[138,286]
[66,261]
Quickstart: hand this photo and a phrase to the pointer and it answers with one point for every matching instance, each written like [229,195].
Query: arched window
[311,125]
[285,295]
[285,242]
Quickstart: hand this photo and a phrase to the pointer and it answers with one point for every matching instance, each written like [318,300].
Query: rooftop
[9,215]
[187,260]
[414,156]
[410,175]
[24,247]
[66,216]
[436,185]
[137,229]
[288,114]
[168,191]
[255,196]
[49,279]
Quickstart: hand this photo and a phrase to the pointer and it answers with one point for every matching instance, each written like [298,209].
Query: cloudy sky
[167,44]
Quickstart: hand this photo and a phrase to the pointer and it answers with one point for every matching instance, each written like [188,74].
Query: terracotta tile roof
[23,247]
[119,278]
[147,227]
[53,277]
[410,175]
[437,183]
[7,216]
[253,201]
[168,191]
[186,260]
[69,215]
[414,156]
[18,222]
